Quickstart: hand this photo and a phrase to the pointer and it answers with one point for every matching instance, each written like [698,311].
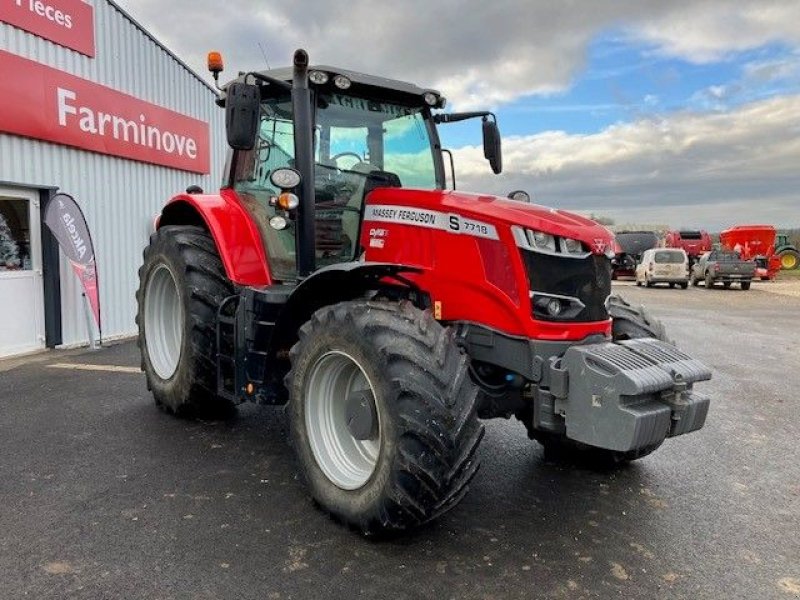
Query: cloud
[709,31]
[478,53]
[711,169]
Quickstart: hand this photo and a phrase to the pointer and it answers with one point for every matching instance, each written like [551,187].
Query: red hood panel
[498,210]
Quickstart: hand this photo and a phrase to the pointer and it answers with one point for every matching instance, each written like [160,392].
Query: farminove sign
[40,102]
[68,23]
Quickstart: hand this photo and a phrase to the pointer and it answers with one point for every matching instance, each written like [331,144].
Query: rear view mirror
[492,150]
[242,104]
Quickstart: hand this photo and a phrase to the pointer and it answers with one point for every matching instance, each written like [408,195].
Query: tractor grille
[587,279]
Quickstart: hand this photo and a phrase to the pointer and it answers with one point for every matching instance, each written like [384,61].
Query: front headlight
[571,246]
[542,241]
[539,241]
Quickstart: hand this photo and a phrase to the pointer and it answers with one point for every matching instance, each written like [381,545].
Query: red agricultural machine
[336,274]
[694,242]
[757,243]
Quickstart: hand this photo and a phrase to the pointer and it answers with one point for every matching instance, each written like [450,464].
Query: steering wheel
[335,158]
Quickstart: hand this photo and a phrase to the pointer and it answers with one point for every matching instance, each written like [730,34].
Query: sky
[684,113]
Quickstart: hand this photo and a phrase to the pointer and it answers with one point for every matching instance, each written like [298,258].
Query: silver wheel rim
[163,322]
[346,461]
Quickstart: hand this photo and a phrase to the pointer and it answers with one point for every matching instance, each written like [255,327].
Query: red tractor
[335,274]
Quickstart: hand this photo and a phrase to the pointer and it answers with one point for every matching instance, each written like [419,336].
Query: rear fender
[233,229]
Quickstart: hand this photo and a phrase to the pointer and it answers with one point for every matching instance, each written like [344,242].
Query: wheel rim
[163,322]
[788,261]
[348,462]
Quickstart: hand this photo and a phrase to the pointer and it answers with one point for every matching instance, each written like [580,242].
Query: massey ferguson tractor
[336,274]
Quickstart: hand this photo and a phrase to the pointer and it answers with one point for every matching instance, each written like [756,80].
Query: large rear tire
[181,284]
[790,259]
[382,415]
[629,322]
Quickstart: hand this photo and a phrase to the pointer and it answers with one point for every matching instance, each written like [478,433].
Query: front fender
[233,229]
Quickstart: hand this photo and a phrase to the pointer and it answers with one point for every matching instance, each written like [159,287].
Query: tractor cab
[367,132]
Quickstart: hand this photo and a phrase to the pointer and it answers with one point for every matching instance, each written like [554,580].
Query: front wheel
[709,281]
[382,415]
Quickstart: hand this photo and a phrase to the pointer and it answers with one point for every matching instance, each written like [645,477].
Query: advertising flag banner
[65,219]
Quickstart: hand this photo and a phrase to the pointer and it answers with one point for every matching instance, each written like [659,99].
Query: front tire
[382,415]
[709,281]
[181,284]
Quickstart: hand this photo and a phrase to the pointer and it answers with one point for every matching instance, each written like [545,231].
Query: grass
[793,274]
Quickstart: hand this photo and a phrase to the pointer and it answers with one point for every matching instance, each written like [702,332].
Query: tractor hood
[500,211]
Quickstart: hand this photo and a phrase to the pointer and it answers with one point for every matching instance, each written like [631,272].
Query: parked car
[663,265]
[723,266]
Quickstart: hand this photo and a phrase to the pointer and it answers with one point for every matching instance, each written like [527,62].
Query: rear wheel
[181,285]
[382,415]
[629,322]
[684,285]
[745,285]
[790,259]
[709,281]
[726,284]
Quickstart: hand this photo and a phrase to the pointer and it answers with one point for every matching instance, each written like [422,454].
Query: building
[92,105]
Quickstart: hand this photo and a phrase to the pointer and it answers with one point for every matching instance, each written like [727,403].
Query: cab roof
[391,88]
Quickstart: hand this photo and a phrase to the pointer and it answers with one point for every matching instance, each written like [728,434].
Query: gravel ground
[103,496]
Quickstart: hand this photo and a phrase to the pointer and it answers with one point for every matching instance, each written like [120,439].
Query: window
[15,246]
[274,149]
[665,257]
[359,144]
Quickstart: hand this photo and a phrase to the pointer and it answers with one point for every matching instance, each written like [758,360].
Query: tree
[606,221]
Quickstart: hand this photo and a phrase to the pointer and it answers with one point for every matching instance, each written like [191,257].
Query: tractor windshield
[360,144]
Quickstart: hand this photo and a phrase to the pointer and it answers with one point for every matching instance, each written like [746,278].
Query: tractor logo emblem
[599,246]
